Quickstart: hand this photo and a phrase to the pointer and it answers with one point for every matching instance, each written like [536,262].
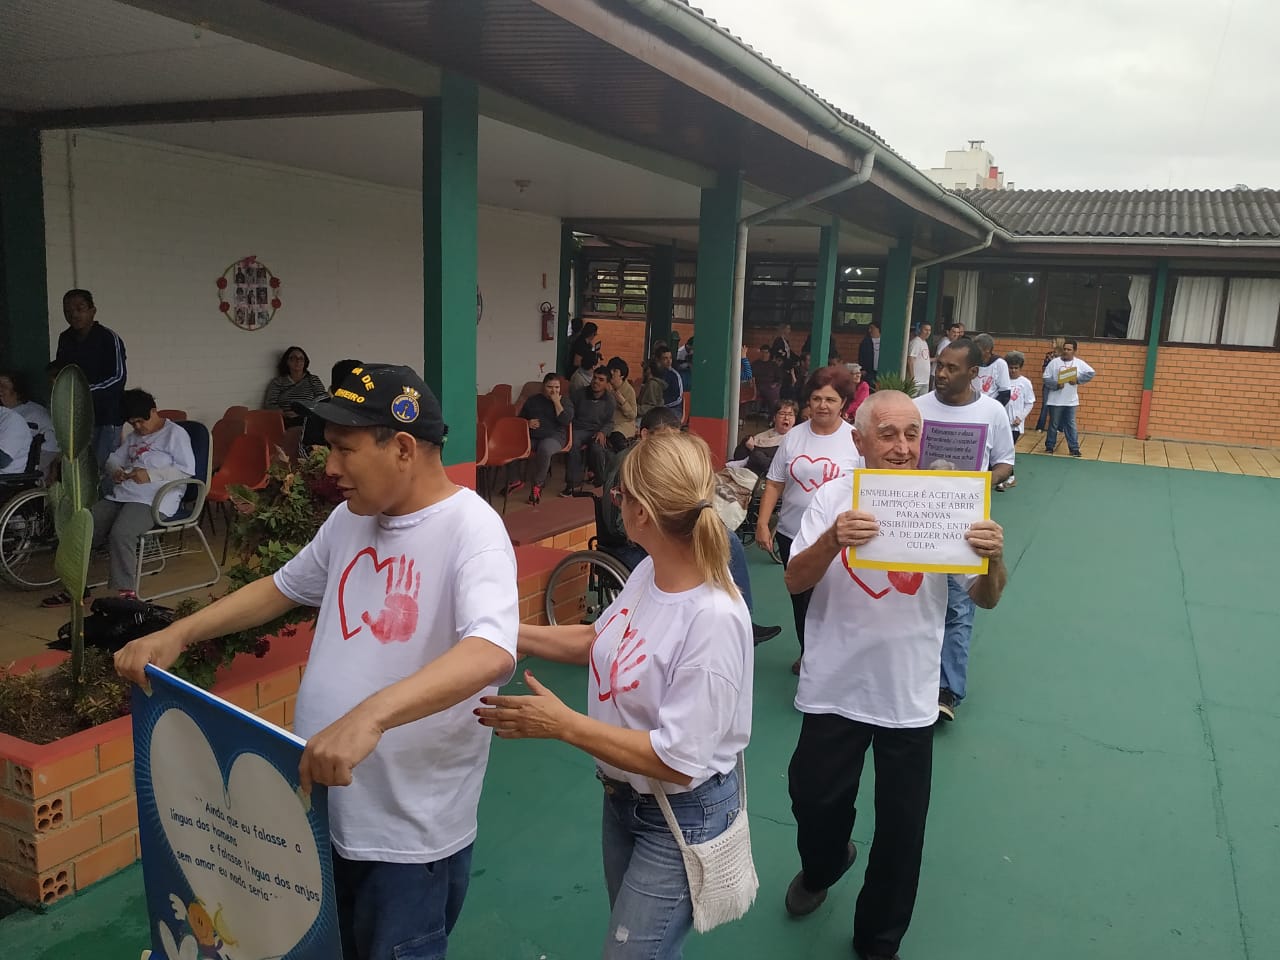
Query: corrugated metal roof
[1239,214]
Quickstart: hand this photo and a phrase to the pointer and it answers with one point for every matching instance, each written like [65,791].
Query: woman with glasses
[811,455]
[294,383]
[668,694]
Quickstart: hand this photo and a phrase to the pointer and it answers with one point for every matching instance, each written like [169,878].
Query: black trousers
[823,778]
[799,601]
[594,453]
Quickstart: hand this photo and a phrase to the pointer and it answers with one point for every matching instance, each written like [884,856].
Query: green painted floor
[1109,790]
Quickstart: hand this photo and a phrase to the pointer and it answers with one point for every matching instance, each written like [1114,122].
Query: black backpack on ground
[114,621]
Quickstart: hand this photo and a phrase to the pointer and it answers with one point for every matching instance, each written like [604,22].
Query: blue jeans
[955,638]
[1064,419]
[399,911]
[106,438]
[651,913]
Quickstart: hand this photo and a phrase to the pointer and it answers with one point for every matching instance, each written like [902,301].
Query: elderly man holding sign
[869,679]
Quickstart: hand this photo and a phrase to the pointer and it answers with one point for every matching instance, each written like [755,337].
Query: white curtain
[966,305]
[1139,307]
[1196,305]
[1252,307]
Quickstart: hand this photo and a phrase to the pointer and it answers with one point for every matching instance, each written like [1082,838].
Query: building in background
[972,169]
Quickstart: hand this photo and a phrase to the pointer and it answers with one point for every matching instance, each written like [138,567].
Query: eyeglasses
[616,496]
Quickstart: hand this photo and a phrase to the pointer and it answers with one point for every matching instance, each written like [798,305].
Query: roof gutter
[787,207]
[700,31]
[1151,241]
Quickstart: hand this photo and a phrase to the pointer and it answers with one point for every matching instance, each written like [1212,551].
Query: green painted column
[716,356]
[898,278]
[1153,348]
[1157,317]
[562,309]
[662,285]
[933,279]
[24,288]
[449,225]
[824,295]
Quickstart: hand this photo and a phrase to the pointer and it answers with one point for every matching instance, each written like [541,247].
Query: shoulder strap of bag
[672,824]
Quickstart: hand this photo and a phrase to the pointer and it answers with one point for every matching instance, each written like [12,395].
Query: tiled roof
[1239,214]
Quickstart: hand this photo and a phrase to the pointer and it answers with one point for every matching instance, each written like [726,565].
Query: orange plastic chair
[687,405]
[508,443]
[530,389]
[224,432]
[266,423]
[501,392]
[234,413]
[498,411]
[177,415]
[246,464]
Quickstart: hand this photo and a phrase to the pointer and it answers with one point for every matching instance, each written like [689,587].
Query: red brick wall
[1109,403]
[1217,396]
[625,339]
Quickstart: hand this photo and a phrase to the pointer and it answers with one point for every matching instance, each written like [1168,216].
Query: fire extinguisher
[548,321]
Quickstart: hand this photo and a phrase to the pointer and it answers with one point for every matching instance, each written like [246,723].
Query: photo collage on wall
[248,294]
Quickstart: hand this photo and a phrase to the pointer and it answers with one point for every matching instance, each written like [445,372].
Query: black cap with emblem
[384,395]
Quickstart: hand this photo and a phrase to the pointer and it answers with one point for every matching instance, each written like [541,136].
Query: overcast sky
[1082,95]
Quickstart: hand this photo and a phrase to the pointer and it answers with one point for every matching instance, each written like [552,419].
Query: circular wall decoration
[248,294]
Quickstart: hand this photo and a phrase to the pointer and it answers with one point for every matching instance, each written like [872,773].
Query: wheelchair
[583,584]
[746,532]
[28,541]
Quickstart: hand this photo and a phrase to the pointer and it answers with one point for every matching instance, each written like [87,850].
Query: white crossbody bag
[721,872]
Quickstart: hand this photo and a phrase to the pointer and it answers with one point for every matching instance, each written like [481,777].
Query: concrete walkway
[1108,791]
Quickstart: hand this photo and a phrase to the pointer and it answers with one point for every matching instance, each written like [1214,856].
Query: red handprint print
[811,474]
[625,661]
[399,616]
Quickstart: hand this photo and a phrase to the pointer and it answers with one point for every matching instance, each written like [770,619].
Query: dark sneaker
[947,705]
[861,955]
[535,495]
[1048,449]
[567,492]
[1075,453]
[801,902]
[760,634]
[515,485]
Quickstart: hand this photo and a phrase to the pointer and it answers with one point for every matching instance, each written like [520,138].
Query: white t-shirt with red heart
[394,594]
[805,461]
[992,378]
[679,665]
[872,638]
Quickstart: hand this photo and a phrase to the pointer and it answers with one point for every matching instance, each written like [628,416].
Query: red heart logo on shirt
[395,618]
[905,582]
[899,580]
[811,474]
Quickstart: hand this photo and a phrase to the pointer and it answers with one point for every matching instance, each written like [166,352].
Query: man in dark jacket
[593,409]
[549,417]
[869,354]
[97,351]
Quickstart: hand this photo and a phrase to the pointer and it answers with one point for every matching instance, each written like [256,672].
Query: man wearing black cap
[415,579]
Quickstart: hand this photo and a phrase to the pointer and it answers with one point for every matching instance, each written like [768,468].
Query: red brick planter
[68,815]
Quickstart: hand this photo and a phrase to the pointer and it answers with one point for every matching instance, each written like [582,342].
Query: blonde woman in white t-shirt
[811,455]
[668,691]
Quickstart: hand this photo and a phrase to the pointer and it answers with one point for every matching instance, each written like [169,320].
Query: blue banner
[235,858]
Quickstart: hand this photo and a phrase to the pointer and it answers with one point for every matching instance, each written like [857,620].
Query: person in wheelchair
[756,452]
[611,535]
[15,442]
[157,451]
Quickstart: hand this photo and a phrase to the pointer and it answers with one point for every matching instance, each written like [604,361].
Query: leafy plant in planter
[892,381]
[71,496]
[270,526]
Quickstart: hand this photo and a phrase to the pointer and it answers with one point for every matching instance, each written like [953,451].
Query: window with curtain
[1197,303]
[1253,305]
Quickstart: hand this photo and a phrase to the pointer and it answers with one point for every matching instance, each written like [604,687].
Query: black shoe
[568,492]
[1075,453]
[874,956]
[801,902]
[1048,449]
[535,495]
[760,634]
[947,703]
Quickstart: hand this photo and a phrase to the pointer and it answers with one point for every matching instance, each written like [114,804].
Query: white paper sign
[923,516]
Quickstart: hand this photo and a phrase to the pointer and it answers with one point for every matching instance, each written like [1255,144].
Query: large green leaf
[71,564]
[71,408]
[80,479]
